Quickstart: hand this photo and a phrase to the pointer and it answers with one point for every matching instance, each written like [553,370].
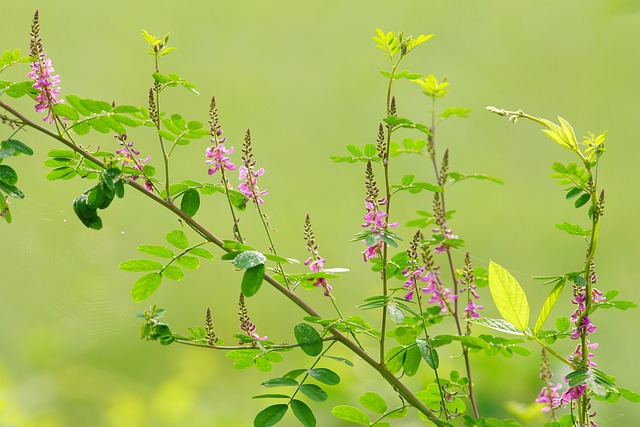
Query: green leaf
[373,402]
[159,251]
[263,364]
[270,415]
[303,413]
[354,150]
[63,172]
[496,324]
[429,354]
[271,396]
[11,190]
[508,296]
[97,124]
[140,265]
[573,229]
[468,340]
[563,324]
[19,147]
[280,382]
[352,414]
[308,338]
[324,375]
[394,359]
[172,272]
[314,392]
[113,124]
[631,396]
[5,213]
[188,262]
[178,239]
[202,253]
[145,286]
[582,200]
[66,111]
[8,175]
[252,280]
[408,179]
[549,303]
[295,373]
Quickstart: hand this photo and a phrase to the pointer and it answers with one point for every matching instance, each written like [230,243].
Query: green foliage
[549,303]
[8,176]
[85,114]
[153,329]
[508,296]
[270,415]
[99,197]
[146,285]
[308,338]
[246,358]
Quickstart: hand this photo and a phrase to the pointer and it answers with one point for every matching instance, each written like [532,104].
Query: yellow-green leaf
[508,296]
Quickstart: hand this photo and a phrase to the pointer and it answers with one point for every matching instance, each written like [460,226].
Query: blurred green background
[304,77]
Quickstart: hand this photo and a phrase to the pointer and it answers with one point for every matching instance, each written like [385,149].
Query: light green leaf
[373,402]
[570,135]
[172,272]
[351,414]
[551,300]
[140,265]
[145,286]
[188,262]
[508,296]
[202,253]
[178,239]
[159,251]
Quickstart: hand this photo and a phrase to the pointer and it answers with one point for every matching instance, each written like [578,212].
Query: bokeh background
[304,77]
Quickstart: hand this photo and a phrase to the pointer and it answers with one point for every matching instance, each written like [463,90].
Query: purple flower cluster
[249,185]
[549,396]
[41,69]
[416,274]
[316,264]
[471,310]
[375,220]
[129,155]
[217,156]
[582,325]
[315,261]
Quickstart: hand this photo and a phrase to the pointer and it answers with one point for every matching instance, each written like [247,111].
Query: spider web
[71,272]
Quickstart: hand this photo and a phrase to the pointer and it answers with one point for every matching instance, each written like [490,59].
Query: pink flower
[549,396]
[249,186]
[217,157]
[471,309]
[41,69]
[129,154]
[573,393]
